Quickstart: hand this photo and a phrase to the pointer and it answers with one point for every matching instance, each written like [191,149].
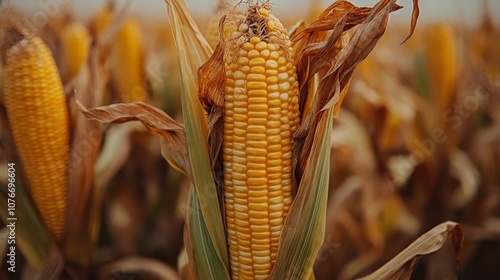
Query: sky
[468,11]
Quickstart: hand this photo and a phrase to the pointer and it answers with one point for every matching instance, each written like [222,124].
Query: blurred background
[417,141]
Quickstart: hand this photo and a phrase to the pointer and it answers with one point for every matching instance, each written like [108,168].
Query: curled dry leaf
[171,133]
[468,177]
[401,266]
[126,269]
[334,73]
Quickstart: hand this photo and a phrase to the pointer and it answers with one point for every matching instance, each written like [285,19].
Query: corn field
[328,143]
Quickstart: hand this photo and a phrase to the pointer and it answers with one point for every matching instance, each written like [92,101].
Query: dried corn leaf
[171,133]
[401,266]
[127,267]
[211,85]
[85,147]
[113,155]
[414,19]
[468,177]
[193,50]
[298,248]
[335,73]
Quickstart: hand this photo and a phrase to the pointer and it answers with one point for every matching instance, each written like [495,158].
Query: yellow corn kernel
[127,60]
[74,43]
[261,115]
[38,117]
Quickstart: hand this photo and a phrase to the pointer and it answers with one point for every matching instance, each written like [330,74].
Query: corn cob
[261,115]
[74,42]
[37,113]
[441,63]
[128,66]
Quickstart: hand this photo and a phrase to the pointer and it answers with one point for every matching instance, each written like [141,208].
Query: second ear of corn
[261,115]
[127,60]
[441,63]
[37,114]
[74,42]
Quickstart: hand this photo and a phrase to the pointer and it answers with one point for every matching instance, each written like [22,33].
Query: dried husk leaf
[298,248]
[401,266]
[335,74]
[414,19]
[211,83]
[113,156]
[171,133]
[85,148]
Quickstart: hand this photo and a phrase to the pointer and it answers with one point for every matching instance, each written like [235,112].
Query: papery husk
[401,266]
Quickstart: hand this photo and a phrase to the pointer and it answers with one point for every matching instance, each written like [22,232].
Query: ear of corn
[261,115]
[74,42]
[37,113]
[128,64]
[441,63]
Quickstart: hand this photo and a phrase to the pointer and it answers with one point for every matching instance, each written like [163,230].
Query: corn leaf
[32,238]
[401,266]
[298,247]
[205,262]
[85,147]
[193,50]
[173,138]
[136,265]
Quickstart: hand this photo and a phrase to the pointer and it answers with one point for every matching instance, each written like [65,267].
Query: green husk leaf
[298,247]
[401,266]
[203,258]
[193,50]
